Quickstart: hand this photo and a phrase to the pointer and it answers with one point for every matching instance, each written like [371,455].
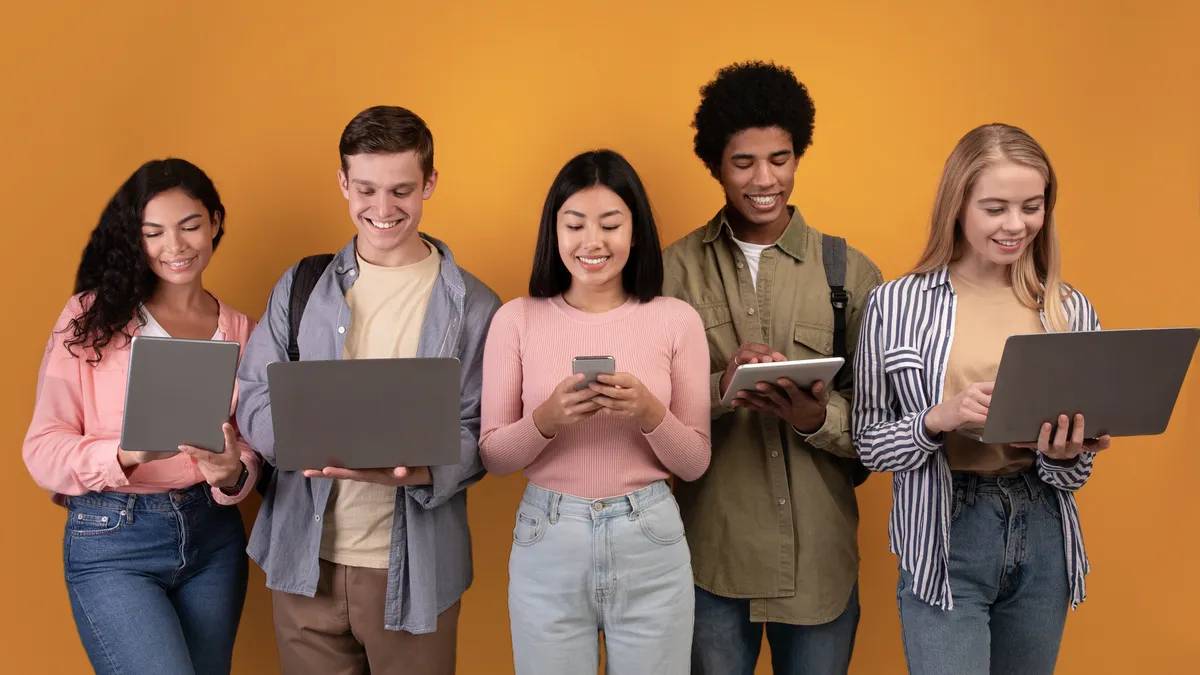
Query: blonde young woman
[991,554]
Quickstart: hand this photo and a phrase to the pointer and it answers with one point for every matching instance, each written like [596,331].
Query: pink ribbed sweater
[529,351]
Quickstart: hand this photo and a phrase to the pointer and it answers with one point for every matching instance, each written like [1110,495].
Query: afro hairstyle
[751,95]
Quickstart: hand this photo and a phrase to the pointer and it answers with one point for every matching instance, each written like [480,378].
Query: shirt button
[317,518]
[774,453]
[750,311]
[782,501]
[341,329]
[740,265]
[353,272]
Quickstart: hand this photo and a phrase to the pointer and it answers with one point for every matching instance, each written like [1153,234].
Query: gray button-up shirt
[430,565]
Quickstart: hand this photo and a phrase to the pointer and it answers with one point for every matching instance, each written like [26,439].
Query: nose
[381,204]
[174,239]
[591,237]
[762,175]
[1014,223]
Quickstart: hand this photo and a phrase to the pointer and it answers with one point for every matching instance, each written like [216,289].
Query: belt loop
[634,507]
[129,504]
[1034,493]
[555,498]
[972,483]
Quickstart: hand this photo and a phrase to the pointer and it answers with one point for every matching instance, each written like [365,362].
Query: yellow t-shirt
[387,308]
[984,319]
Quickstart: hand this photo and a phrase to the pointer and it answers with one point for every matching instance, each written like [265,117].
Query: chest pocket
[108,380]
[905,371]
[812,341]
[720,331]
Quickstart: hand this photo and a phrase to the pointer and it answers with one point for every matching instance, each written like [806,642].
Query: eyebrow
[188,218]
[367,183]
[998,200]
[773,155]
[606,214]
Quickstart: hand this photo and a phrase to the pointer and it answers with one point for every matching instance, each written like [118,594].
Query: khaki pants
[340,630]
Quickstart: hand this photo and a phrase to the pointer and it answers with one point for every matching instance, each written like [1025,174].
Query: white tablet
[804,373]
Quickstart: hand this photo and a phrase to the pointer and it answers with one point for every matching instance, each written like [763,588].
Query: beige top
[984,319]
[387,308]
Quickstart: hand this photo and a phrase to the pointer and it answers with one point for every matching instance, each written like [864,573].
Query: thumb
[230,435]
[400,472]
[987,387]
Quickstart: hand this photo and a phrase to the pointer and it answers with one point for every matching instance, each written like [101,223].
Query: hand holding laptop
[1065,447]
[400,476]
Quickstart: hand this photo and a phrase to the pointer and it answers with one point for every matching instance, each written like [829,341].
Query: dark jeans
[1008,577]
[726,642]
[156,582]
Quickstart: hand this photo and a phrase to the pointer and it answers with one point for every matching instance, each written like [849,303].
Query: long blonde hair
[1036,279]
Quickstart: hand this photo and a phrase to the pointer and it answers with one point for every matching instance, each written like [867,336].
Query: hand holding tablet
[760,378]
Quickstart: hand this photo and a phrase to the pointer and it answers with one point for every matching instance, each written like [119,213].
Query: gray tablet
[1123,382]
[178,392]
[364,414]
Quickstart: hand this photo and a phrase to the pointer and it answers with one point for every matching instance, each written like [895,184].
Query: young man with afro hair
[772,524]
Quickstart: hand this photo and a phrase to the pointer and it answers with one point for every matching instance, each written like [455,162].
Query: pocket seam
[81,517]
[539,529]
[659,540]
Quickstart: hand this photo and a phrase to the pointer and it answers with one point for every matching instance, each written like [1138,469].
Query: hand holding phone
[592,367]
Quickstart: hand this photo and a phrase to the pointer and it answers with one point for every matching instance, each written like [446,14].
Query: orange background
[257,93]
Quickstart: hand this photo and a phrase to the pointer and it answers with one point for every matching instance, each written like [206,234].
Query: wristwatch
[241,482]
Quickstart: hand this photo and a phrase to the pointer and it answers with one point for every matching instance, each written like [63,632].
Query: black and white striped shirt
[899,374]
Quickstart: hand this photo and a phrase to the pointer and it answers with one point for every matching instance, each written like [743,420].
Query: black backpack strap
[833,253]
[308,271]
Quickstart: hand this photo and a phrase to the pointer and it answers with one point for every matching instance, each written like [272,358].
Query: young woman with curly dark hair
[154,546]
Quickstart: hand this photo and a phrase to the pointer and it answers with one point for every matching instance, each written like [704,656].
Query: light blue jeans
[618,564]
[1008,574]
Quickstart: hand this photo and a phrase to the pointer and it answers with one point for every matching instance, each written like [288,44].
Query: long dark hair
[113,272]
[642,276]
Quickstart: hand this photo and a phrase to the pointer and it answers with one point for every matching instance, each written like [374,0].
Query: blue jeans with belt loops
[156,582]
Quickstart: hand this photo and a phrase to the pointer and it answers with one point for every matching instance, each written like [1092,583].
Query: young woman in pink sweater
[598,543]
[154,549]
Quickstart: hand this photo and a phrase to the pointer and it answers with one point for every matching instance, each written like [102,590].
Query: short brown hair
[388,130]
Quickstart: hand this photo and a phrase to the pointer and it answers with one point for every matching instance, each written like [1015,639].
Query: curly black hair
[114,274]
[751,95]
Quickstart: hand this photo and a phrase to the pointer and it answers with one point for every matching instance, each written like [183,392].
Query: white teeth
[177,265]
[593,261]
[763,201]
[384,224]
[1009,242]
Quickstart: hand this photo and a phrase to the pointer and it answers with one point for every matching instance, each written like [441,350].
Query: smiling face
[595,234]
[1003,214]
[177,236]
[386,195]
[758,172]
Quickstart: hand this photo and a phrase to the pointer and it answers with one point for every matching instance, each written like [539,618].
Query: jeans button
[598,506]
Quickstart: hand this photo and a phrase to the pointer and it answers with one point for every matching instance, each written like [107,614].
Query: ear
[218,223]
[344,183]
[430,184]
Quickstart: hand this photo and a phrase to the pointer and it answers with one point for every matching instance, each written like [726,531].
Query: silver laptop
[368,413]
[178,392]
[1123,382]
